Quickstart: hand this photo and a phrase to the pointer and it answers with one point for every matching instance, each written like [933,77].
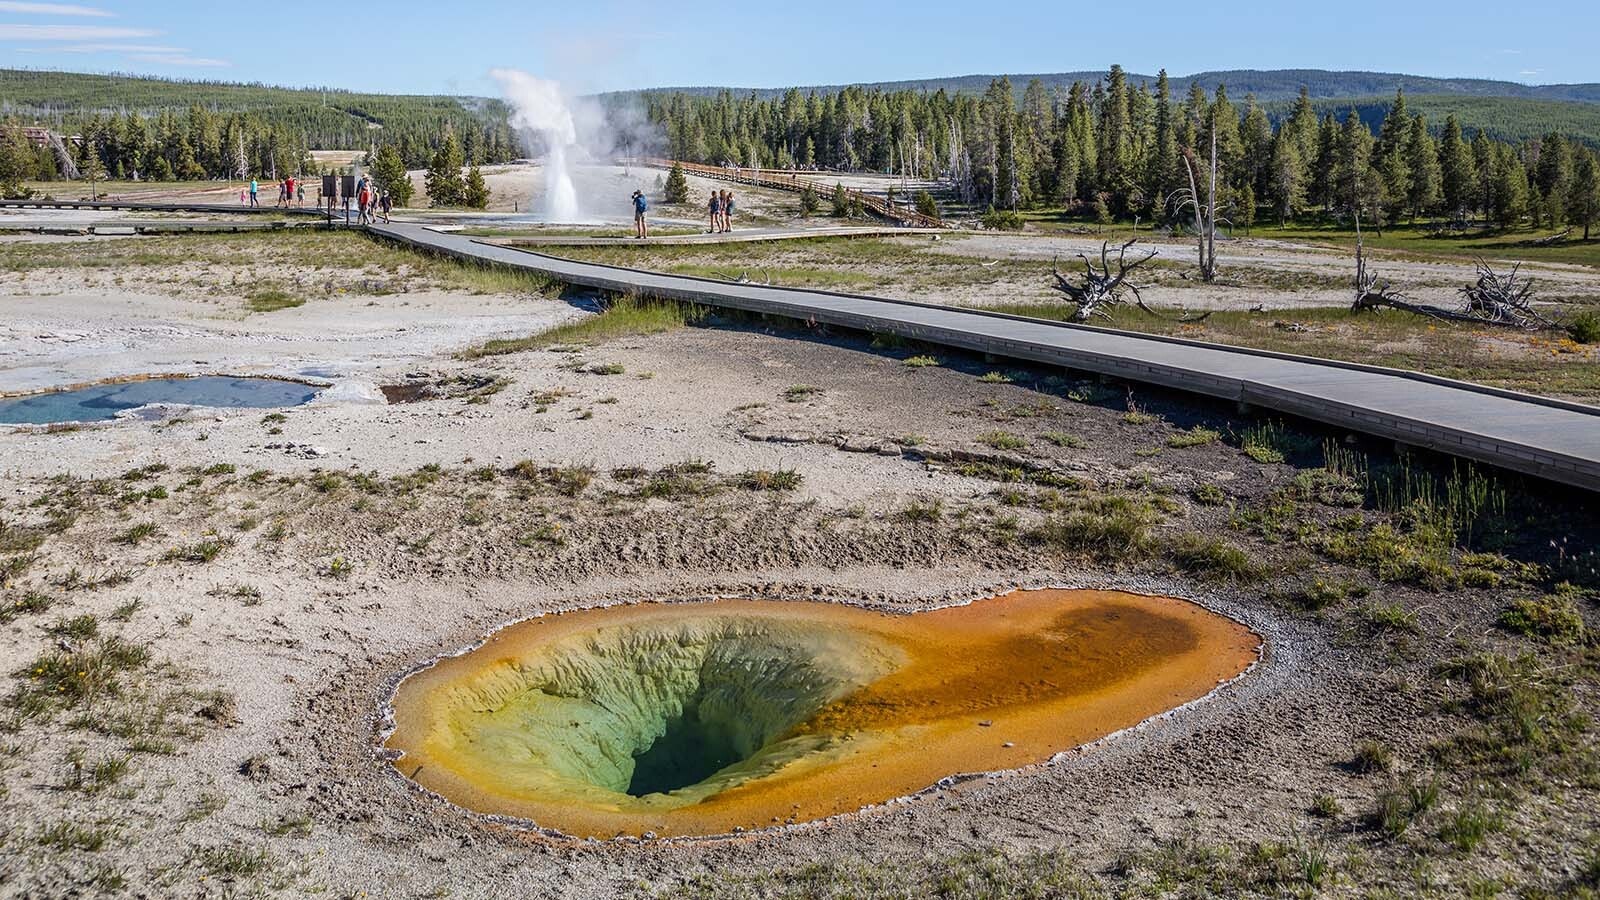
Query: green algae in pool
[102,402]
[701,718]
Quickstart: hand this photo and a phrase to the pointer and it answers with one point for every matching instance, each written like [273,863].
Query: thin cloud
[180,59]
[118,48]
[71,33]
[53,9]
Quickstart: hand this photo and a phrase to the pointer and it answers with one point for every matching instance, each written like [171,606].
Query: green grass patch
[1198,436]
[1214,559]
[626,316]
[272,300]
[1002,440]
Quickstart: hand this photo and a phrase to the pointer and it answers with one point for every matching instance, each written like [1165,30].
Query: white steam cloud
[574,130]
[540,108]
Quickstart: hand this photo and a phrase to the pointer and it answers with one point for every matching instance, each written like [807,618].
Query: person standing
[385,204]
[715,208]
[641,228]
[727,211]
[300,198]
[255,194]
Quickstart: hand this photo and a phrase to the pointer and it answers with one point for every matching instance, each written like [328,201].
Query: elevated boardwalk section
[1551,439]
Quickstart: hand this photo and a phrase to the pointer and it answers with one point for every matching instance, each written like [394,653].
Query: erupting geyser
[540,108]
[696,718]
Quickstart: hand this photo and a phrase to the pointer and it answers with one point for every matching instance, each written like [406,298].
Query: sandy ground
[604,193]
[1435,282]
[335,576]
[69,326]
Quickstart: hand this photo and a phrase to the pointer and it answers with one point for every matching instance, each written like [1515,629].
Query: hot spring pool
[699,718]
[103,401]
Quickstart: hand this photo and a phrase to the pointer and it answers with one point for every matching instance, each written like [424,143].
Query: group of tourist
[721,209]
[372,203]
[291,192]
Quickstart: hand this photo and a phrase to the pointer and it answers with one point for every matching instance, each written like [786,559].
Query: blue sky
[427,46]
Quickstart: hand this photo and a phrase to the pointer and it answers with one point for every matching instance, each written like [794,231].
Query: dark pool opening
[691,750]
[102,402]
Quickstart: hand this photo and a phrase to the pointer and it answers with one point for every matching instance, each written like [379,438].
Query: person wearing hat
[641,228]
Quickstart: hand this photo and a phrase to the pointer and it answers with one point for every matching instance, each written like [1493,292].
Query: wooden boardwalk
[1547,438]
[1551,439]
[738,236]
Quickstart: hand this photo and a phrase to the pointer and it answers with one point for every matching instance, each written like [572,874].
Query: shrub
[1108,529]
[1372,756]
[1390,617]
[1002,220]
[1002,440]
[1195,437]
[676,189]
[764,480]
[1554,618]
[1585,327]
[1214,559]
[199,552]
[926,205]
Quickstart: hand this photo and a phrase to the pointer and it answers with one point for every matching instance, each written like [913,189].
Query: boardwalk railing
[795,182]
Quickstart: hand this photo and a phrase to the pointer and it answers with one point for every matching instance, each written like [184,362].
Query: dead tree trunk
[1503,299]
[1098,291]
[1204,209]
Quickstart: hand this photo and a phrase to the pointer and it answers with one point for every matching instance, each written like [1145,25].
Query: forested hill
[1267,85]
[328,119]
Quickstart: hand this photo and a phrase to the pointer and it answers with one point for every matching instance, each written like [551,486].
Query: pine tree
[1355,184]
[1246,214]
[1302,125]
[841,201]
[443,182]
[1509,188]
[1422,157]
[1286,176]
[1458,173]
[91,168]
[1322,189]
[1583,198]
[1483,165]
[1162,178]
[15,165]
[1553,176]
[677,188]
[1255,135]
[809,202]
[389,171]
[1230,149]
[476,193]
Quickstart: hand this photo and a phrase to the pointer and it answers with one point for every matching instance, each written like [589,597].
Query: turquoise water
[104,401]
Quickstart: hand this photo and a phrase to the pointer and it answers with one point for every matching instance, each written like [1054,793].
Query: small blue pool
[103,401]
